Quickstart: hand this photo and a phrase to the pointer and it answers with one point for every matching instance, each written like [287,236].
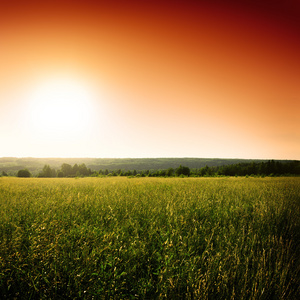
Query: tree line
[269,168]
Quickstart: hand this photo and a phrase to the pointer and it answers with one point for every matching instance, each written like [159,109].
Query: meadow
[149,238]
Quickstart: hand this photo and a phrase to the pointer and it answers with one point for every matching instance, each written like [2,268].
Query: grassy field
[141,238]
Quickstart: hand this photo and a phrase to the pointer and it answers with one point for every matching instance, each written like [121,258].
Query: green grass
[141,238]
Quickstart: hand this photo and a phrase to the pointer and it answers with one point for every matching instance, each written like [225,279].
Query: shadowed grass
[119,238]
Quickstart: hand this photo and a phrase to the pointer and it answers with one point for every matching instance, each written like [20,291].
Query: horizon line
[166,157]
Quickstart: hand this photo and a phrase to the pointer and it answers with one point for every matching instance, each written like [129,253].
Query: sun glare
[60,108]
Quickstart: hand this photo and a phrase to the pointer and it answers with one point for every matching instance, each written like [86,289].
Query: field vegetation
[141,238]
[72,167]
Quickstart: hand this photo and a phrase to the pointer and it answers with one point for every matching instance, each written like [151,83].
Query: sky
[210,79]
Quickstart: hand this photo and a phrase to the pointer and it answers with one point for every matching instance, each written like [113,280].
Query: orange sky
[169,78]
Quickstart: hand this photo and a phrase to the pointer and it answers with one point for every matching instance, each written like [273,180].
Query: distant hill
[12,164]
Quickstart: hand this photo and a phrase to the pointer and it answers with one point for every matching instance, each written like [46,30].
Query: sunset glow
[60,107]
[150,79]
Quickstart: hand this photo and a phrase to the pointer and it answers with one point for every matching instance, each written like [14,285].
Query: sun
[60,108]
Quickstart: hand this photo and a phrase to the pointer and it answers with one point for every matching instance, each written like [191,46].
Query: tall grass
[141,238]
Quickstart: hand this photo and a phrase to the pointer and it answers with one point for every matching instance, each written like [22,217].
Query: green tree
[66,169]
[128,173]
[75,169]
[54,173]
[60,174]
[170,172]
[182,171]
[47,172]
[24,173]
[162,173]
[83,170]
[204,171]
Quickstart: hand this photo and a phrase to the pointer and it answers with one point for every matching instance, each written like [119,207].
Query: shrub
[24,173]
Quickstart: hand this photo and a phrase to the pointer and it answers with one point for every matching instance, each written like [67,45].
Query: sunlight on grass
[204,238]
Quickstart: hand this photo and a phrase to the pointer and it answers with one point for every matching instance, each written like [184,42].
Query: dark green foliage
[67,170]
[81,170]
[198,166]
[23,173]
[170,172]
[34,165]
[75,169]
[60,174]
[182,171]
[269,168]
[264,168]
[47,172]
